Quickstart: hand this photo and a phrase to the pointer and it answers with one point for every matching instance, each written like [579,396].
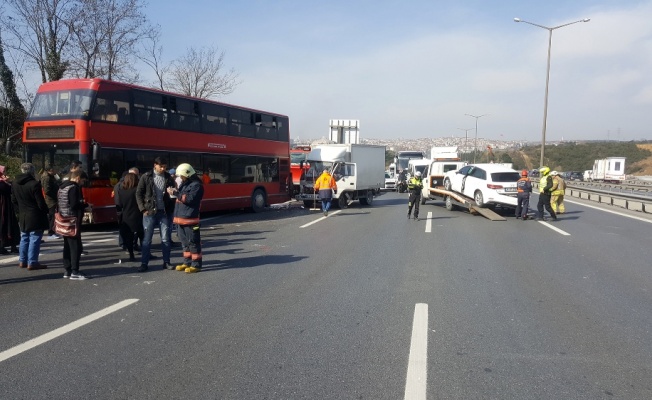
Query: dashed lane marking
[554,228]
[30,344]
[320,219]
[429,222]
[417,373]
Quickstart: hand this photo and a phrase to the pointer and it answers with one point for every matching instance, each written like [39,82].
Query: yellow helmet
[186,170]
[544,171]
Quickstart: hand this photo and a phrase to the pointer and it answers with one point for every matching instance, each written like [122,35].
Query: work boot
[192,270]
[36,266]
[142,268]
[182,267]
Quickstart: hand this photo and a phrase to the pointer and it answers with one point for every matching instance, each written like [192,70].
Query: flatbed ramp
[454,200]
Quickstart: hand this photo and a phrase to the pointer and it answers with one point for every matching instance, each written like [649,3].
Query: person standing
[415,185]
[74,166]
[157,207]
[557,193]
[325,184]
[71,204]
[50,189]
[523,190]
[186,217]
[10,233]
[131,221]
[545,184]
[27,198]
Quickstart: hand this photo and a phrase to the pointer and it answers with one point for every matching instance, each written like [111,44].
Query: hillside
[580,157]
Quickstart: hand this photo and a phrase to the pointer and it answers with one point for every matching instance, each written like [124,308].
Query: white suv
[486,184]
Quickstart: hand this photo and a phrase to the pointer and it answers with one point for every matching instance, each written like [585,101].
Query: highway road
[362,304]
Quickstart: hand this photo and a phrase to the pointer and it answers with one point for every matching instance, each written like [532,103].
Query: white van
[415,165]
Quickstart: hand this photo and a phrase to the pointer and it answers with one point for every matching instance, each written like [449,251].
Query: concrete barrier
[628,202]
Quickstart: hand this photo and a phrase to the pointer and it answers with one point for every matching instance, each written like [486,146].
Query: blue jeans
[164,223]
[30,245]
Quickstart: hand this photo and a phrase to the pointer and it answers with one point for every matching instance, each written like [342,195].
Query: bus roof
[96,83]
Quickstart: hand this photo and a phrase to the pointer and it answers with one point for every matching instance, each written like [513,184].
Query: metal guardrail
[623,200]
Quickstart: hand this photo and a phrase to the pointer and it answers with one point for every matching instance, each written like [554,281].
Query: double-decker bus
[241,154]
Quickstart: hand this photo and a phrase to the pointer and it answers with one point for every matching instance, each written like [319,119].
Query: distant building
[346,131]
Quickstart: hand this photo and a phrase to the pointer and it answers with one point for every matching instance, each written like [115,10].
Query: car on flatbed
[487,184]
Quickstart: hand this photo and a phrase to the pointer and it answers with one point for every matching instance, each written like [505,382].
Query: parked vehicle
[444,159]
[298,163]
[610,169]
[358,171]
[486,184]
[390,181]
[575,176]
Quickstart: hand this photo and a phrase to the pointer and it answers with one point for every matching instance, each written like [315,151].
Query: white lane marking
[417,373]
[30,344]
[429,222]
[320,219]
[554,228]
[610,211]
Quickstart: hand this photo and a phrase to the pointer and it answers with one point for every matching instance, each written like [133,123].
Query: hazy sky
[413,69]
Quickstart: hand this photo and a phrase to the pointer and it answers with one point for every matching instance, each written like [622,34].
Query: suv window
[505,176]
[479,173]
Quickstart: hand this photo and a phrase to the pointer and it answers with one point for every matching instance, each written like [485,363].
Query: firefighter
[558,190]
[523,189]
[414,186]
[545,185]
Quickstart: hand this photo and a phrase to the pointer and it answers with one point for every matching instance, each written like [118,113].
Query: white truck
[610,169]
[358,169]
[443,159]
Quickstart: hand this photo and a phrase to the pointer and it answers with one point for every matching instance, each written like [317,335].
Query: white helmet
[186,170]
[418,174]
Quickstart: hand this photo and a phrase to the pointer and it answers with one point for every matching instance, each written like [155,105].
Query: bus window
[112,106]
[215,118]
[218,167]
[150,109]
[184,114]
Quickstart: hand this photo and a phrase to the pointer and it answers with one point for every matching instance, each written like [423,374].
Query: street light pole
[475,144]
[545,99]
[466,137]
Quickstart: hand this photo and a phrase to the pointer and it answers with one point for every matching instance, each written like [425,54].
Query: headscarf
[3,177]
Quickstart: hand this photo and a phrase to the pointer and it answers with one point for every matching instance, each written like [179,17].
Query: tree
[199,73]
[41,28]
[11,116]
[106,34]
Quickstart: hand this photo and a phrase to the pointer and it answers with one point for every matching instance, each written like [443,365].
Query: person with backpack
[557,193]
[71,204]
[523,190]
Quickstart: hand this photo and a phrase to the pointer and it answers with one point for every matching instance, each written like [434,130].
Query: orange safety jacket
[325,181]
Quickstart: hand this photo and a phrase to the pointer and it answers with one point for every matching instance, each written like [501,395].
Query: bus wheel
[258,200]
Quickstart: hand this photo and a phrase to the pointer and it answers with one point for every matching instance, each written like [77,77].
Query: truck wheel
[449,204]
[258,200]
[343,201]
[447,184]
[479,199]
[368,199]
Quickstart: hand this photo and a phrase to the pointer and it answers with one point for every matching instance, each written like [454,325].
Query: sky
[413,69]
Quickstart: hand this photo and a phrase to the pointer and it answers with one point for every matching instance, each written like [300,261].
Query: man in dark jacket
[28,201]
[50,189]
[157,207]
[186,216]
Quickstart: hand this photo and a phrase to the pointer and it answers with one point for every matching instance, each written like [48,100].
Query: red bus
[242,154]
[298,164]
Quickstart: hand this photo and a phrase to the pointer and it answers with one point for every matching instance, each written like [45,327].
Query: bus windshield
[62,104]
[59,155]
[296,158]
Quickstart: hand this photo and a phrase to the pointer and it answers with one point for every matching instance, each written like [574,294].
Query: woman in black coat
[9,232]
[132,219]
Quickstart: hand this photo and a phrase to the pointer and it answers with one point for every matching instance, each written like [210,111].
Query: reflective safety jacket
[325,182]
[545,184]
[558,186]
[524,185]
[415,184]
[186,208]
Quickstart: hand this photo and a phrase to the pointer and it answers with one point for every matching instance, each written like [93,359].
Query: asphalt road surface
[362,304]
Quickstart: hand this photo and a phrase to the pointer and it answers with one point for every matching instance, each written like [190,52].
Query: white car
[486,184]
[390,181]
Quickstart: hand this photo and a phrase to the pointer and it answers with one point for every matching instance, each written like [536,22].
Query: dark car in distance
[575,176]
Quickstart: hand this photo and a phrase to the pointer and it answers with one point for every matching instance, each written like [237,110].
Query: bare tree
[12,112]
[41,29]
[200,74]
[153,54]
